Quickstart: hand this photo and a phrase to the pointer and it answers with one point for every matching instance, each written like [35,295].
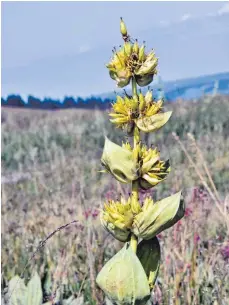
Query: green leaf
[119,162]
[153,123]
[123,279]
[159,216]
[149,255]
[35,294]
[17,292]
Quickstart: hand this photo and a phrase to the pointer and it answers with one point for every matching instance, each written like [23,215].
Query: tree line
[52,104]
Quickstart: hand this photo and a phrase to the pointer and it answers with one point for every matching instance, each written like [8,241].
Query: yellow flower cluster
[151,169]
[120,218]
[119,213]
[127,110]
[132,61]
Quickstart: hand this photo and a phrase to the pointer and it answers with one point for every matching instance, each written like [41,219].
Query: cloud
[224,9]
[185,17]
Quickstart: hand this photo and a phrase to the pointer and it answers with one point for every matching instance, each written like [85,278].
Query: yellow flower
[124,111]
[127,63]
[127,146]
[150,117]
[120,218]
[151,169]
[141,110]
[148,106]
[117,217]
[132,61]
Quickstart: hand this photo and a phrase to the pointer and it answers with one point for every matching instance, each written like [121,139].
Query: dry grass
[55,157]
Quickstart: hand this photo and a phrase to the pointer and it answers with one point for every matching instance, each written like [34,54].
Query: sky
[55,49]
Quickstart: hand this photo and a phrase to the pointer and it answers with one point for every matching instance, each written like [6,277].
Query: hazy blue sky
[60,48]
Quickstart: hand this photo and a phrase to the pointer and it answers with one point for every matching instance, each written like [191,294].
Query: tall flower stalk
[134,240]
[130,275]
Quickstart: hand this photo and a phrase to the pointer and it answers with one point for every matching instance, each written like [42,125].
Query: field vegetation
[51,178]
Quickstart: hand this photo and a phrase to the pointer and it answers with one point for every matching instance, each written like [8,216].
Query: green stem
[136,136]
[135,190]
[134,197]
[134,87]
[134,242]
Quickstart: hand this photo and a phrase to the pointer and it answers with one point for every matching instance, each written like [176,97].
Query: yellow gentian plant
[130,275]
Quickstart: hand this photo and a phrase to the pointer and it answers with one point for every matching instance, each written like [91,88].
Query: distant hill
[185,89]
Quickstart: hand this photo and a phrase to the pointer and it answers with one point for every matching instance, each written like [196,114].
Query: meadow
[51,184]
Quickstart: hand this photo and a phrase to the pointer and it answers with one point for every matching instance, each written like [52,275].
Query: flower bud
[141,102]
[136,47]
[154,108]
[128,48]
[141,54]
[149,97]
[135,206]
[123,28]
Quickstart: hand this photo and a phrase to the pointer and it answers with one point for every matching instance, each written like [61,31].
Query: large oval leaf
[156,121]
[149,255]
[119,162]
[159,216]
[124,280]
